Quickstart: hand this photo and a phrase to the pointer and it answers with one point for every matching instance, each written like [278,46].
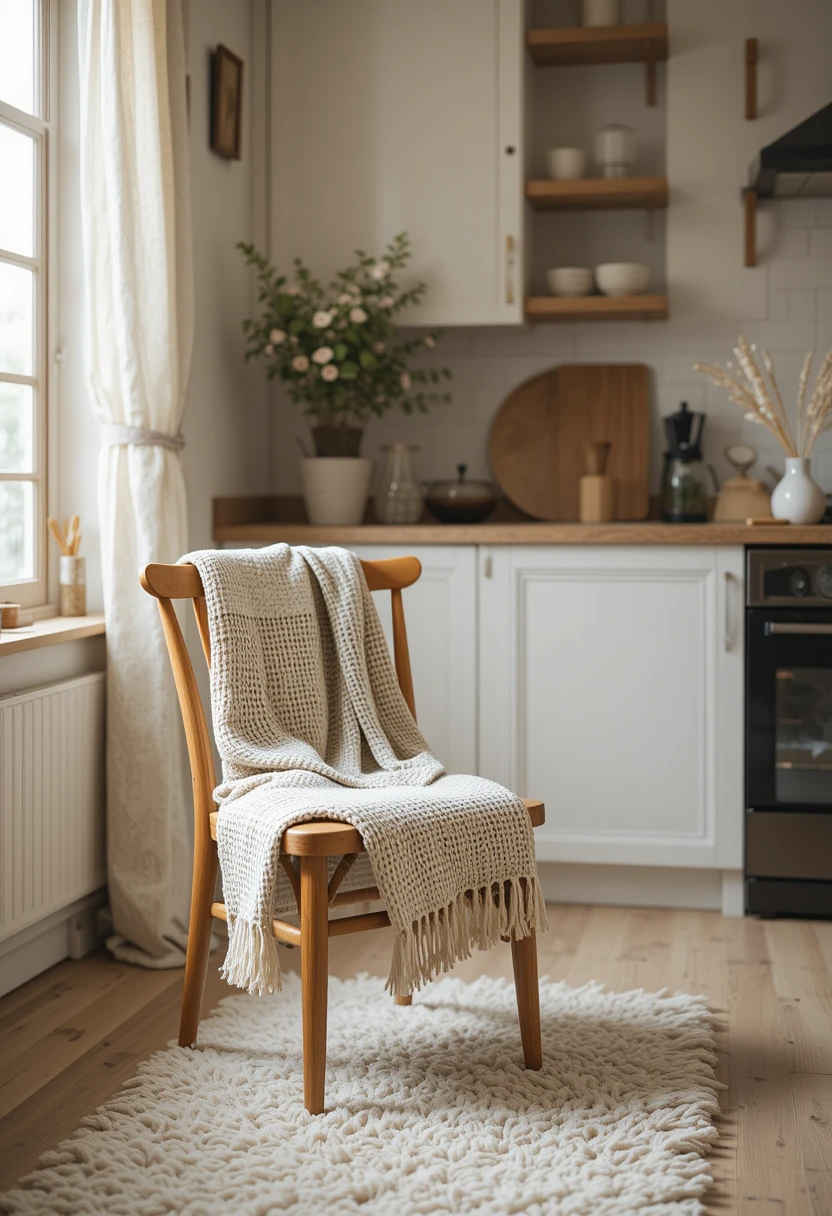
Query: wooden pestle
[597,488]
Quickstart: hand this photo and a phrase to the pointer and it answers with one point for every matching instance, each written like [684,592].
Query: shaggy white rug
[429,1110]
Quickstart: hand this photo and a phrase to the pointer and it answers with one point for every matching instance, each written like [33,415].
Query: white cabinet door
[403,115]
[441,616]
[612,687]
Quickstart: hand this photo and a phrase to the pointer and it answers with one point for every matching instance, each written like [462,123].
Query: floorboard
[73,1036]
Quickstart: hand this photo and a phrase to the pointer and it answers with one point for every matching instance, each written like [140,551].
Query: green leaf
[368,360]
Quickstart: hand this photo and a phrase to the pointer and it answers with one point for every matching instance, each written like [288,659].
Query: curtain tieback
[115,435]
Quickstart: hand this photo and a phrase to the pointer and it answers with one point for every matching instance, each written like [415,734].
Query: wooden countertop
[647,532]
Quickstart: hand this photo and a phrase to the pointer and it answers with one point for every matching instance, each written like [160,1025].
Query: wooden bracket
[750,205]
[751,49]
[650,77]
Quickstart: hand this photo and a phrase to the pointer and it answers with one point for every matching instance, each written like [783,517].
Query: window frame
[32,592]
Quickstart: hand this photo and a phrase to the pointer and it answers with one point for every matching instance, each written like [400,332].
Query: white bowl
[566,164]
[622,278]
[569,280]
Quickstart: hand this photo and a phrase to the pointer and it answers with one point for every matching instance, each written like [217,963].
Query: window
[24,151]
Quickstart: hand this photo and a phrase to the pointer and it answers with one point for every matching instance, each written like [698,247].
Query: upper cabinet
[391,116]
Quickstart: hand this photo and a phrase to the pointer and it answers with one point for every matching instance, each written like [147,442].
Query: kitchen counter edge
[646,532]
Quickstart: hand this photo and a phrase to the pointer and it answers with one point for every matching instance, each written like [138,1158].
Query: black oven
[788,732]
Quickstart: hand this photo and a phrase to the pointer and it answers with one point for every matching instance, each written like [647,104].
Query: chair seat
[326,838]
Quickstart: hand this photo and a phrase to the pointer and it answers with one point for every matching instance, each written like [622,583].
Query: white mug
[599,12]
[566,164]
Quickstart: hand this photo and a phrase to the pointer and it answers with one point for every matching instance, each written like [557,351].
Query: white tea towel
[311,724]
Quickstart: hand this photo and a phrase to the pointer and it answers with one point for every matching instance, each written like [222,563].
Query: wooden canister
[596,488]
[73,586]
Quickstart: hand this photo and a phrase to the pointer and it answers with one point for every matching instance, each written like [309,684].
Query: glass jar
[398,499]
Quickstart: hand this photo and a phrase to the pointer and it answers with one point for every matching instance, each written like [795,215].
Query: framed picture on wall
[226,102]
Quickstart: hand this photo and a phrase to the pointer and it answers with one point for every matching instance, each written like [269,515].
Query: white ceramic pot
[566,164]
[335,488]
[599,12]
[796,497]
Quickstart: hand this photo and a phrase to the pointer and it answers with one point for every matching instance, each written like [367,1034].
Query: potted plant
[337,350]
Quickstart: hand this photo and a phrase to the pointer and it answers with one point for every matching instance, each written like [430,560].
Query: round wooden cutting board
[540,431]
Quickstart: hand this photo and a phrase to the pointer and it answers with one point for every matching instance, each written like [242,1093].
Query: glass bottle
[398,499]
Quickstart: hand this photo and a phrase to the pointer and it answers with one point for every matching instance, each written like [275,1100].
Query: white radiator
[51,799]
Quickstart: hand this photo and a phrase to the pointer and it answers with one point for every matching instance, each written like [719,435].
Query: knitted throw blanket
[310,723]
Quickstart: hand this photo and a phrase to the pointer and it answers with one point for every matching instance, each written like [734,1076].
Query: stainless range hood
[799,164]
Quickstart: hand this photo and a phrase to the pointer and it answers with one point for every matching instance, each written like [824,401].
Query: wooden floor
[71,1037]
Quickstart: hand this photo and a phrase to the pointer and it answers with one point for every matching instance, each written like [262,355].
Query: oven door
[788,754]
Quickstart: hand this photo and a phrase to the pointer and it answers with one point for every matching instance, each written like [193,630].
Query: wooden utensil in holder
[597,488]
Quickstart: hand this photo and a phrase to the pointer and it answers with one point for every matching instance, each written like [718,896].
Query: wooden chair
[312,843]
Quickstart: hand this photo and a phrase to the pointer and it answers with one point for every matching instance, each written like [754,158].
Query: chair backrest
[167,583]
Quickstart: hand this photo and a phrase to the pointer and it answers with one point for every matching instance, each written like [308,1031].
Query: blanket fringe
[434,943]
[251,961]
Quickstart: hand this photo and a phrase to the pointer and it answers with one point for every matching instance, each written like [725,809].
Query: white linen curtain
[139,314]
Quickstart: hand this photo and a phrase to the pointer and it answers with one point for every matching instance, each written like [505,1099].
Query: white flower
[358,315]
[380,271]
[323,354]
[378,348]
[293,290]
[430,341]
[386,302]
[300,363]
[322,320]
[354,288]
[330,372]
[294,339]
[277,336]
[405,381]
[345,298]
[268,349]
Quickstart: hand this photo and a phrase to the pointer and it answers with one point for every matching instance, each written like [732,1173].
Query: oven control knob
[824,581]
[800,583]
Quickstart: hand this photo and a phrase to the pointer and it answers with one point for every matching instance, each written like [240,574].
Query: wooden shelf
[596,308]
[645,44]
[598,194]
[50,631]
[598,44]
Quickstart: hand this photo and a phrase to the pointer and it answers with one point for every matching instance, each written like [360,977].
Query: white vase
[335,488]
[796,497]
[599,12]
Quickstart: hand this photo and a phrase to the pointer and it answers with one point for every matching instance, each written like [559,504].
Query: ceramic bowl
[566,164]
[569,280]
[622,278]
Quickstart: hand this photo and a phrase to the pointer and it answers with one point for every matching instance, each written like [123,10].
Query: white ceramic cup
[335,488]
[566,164]
[599,12]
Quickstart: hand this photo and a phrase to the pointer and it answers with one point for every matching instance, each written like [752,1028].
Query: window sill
[50,631]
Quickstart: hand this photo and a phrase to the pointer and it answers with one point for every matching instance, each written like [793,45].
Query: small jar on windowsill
[72,578]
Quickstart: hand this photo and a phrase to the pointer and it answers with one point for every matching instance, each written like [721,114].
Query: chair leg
[524,959]
[314,970]
[199,943]
[403,1000]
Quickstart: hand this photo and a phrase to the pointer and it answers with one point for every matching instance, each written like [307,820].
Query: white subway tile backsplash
[805,272]
[797,212]
[823,212]
[789,243]
[489,362]
[821,245]
[802,305]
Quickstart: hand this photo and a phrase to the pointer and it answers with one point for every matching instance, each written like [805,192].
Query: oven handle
[796,628]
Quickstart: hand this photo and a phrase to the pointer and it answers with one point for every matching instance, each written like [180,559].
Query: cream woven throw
[310,723]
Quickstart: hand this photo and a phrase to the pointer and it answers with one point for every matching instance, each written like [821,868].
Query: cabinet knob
[510,150]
